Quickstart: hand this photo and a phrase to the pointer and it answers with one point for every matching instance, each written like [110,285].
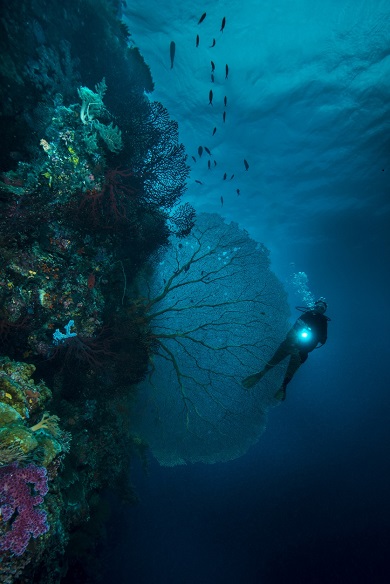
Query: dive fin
[280,395]
[251,381]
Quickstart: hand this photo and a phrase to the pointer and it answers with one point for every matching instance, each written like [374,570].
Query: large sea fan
[216,314]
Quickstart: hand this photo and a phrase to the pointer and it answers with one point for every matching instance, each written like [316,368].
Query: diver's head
[320,306]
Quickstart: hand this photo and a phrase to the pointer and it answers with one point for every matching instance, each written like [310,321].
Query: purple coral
[21,490]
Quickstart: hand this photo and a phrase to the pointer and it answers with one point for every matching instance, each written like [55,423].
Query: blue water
[308,99]
[308,503]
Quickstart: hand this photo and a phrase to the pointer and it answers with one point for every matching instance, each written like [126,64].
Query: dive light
[305,334]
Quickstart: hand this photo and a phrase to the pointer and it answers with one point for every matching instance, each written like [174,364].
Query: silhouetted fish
[222,24]
[224,176]
[193,158]
[224,116]
[197,40]
[232,177]
[213,45]
[209,163]
[207,150]
[238,192]
[215,129]
[200,151]
[199,182]
[211,97]
[225,101]
[212,78]
[172,51]
[215,163]
[222,201]
[212,66]
[201,19]
[246,165]
[226,71]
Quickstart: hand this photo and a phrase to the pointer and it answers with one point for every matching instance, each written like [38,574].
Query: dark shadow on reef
[92,174]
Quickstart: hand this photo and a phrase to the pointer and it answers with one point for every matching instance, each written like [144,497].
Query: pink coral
[21,491]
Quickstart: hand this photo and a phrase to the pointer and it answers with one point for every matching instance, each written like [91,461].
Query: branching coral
[49,423]
[211,311]
[164,168]
[20,518]
[115,202]
[91,107]
[91,102]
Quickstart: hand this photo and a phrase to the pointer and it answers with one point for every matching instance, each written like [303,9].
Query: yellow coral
[49,423]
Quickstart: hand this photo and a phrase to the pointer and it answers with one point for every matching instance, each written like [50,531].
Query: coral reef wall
[92,174]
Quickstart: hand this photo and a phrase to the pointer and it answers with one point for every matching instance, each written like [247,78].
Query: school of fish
[211,97]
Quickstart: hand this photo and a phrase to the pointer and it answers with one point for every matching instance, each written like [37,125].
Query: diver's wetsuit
[299,349]
[296,347]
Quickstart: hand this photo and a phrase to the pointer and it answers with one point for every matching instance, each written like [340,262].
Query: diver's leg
[251,380]
[296,360]
[281,353]
[294,365]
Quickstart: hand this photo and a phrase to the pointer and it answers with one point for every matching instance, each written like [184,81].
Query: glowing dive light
[305,334]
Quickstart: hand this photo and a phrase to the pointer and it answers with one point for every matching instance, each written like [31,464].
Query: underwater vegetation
[91,178]
[32,448]
[214,309]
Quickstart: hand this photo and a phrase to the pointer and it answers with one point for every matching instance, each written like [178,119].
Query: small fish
[212,66]
[224,176]
[200,151]
[215,129]
[222,24]
[246,165]
[222,201]
[201,19]
[213,45]
[91,281]
[238,192]
[232,177]
[193,158]
[209,164]
[207,150]
[224,116]
[225,101]
[197,41]
[211,97]
[172,51]
[226,71]
[215,163]
[212,78]
[199,182]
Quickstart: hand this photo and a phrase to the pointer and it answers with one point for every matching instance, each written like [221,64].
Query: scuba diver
[308,331]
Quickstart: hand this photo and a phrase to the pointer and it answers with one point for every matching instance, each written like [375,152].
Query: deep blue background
[308,106]
[309,503]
